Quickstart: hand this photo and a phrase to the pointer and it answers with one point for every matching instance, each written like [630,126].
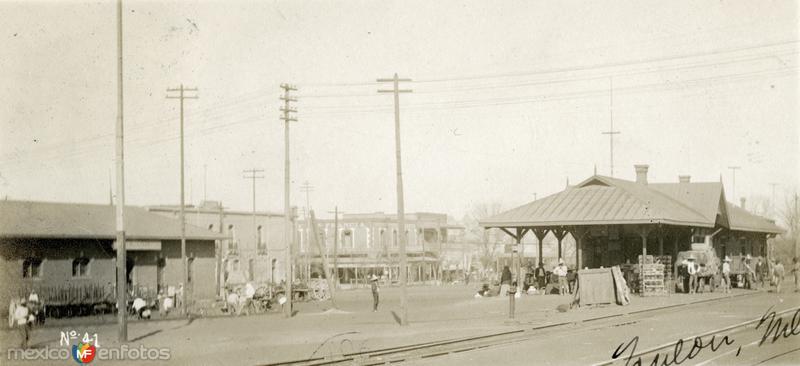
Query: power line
[610,64]
[307,188]
[733,172]
[611,131]
[212,113]
[253,174]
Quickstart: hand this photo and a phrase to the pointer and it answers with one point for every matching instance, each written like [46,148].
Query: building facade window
[261,243]
[232,244]
[347,238]
[32,268]
[80,267]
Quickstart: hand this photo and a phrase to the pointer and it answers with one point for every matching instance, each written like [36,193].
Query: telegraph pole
[733,171]
[306,188]
[401,219]
[122,276]
[184,298]
[336,213]
[253,175]
[287,210]
[611,131]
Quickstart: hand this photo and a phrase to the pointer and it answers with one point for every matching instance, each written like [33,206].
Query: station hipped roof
[601,200]
[27,219]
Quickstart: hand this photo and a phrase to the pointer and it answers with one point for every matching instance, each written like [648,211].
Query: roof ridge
[626,185]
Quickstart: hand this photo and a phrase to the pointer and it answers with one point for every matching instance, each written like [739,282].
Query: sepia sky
[510,98]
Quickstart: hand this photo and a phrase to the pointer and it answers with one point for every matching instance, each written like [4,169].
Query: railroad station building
[54,246]
[614,221]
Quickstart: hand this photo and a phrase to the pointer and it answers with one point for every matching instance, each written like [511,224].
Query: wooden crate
[652,280]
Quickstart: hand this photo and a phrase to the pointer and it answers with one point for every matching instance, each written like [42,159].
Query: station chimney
[641,173]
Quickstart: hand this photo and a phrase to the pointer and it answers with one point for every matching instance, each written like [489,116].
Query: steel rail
[456,345]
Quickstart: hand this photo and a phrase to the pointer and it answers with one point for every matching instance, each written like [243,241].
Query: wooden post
[578,233]
[540,235]
[315,238]
[560,233]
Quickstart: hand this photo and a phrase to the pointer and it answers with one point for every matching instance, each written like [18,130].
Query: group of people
[240,300]
[755,276]
[562,278]
[24,316]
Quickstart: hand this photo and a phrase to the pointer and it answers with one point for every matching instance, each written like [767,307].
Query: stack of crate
[652,280]
[666,260]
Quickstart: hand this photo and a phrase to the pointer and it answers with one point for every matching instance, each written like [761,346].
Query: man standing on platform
[726,275]
[561,272]
[540,275]
[691,268]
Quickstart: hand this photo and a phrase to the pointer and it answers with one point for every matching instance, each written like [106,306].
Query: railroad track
[457,345]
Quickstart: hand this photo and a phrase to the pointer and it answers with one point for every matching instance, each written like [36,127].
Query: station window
[32,268]
[80,267]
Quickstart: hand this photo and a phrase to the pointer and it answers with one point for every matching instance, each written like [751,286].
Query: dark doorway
[161,266]
[129,265]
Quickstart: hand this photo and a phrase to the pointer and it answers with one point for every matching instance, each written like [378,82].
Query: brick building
[368,244]
[254,248]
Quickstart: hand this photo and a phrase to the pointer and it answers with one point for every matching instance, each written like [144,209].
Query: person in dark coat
[505,281]
[541,276]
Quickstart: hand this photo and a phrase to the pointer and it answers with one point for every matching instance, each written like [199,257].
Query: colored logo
[84,352]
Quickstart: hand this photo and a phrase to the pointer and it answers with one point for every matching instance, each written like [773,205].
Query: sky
[509,99]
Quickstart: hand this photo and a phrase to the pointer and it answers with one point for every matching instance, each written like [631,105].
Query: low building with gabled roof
[53,247]
[614,221]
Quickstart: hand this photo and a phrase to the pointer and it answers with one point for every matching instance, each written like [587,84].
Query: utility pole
[336,213]
[322,254]
[184,297]
[733,171]
[253,175]
[795,217]
[122,276]
[401,219]
[205,181]
[221,271]
[611,131]
[306,188]
[773,204]
[287,210]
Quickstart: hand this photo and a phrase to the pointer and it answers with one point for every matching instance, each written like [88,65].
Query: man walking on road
[796,272]
[374,280]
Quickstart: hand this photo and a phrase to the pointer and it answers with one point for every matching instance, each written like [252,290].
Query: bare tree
[487,240]
[790,215]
